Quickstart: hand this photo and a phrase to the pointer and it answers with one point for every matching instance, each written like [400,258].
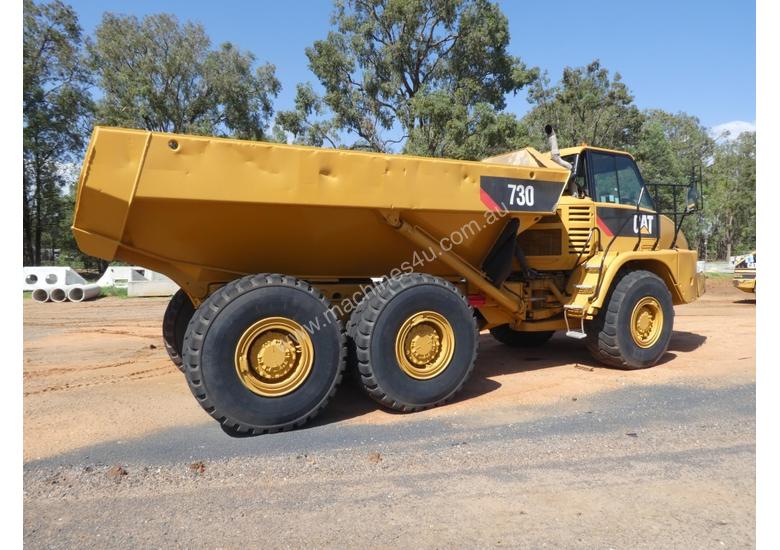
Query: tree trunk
[38,216]
[27,227]
[729,235]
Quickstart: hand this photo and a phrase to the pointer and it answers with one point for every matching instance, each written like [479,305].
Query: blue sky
[697,57]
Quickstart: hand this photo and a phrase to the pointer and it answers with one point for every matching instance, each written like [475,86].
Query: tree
[673,148]
[732,196]
[161,75]
[585,106]
[402,71]
[307,123]
[671,145]
[57,107]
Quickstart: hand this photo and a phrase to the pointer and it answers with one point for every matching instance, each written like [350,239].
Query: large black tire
[609,334]
[517,339]
[177,317]
[211,341]
[376,323]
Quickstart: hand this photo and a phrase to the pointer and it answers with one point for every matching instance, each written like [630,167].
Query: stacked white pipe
[79,293]
[58,284]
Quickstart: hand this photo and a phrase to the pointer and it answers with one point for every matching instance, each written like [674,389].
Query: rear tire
[633,329]
[177,317]
[415,341]
[290,369]
[517,339]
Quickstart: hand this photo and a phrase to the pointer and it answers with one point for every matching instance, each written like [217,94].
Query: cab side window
[605,178]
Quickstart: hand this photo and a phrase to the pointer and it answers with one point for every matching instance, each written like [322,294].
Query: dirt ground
[98,372]
[97,379]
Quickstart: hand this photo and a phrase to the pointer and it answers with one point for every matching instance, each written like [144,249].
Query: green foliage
[113,291]
[670,146]
[731,197]
[306,122]
[57,108]
[426,73]
[462,132]
[586,106]
[161,75]
[428,77]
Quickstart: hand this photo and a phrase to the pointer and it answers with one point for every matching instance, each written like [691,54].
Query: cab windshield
[616,180]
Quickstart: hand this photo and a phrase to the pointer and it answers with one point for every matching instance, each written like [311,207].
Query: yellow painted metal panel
[204,210]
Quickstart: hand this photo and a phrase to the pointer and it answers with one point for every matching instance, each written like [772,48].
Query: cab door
[617,188]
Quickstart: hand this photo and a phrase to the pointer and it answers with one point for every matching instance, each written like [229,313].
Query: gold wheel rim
[274,356]
[647,322]
[424,345]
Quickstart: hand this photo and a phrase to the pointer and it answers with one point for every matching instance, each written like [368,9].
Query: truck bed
[203,210]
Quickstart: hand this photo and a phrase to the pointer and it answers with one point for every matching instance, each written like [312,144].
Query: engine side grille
[580,221]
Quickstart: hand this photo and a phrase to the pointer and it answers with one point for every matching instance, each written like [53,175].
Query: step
[585,288]
[574,307]
[593,268]
[576,334]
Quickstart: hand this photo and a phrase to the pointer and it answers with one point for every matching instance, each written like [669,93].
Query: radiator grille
[540,242]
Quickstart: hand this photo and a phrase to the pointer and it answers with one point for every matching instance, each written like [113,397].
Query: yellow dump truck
[745,273]
[298,263]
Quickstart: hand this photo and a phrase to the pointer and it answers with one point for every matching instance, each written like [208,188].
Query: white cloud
[734,128]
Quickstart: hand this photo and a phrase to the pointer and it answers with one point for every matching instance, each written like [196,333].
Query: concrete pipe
[58,294]
[79,293]
[40,295]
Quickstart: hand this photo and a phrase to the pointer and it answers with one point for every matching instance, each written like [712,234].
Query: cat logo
[643,224]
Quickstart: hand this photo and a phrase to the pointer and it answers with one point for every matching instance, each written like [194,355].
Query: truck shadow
[494,360]
[751,301]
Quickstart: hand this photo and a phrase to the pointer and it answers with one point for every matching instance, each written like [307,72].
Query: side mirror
[692,201]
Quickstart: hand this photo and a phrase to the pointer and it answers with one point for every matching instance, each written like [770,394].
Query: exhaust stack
[552,141]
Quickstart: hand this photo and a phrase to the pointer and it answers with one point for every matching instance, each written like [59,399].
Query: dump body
[211,210]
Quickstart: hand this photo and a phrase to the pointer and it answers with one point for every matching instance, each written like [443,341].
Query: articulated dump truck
[298,264]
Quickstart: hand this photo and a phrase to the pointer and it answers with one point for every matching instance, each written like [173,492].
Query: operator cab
[607,177]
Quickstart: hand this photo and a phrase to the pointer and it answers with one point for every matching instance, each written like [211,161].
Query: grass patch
[718,275]
[113,291]
[27,294]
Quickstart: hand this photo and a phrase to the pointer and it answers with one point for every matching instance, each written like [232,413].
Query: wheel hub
[424,345]
[274,356]
[647,321]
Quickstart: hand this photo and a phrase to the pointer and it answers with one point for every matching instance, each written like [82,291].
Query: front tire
[633,329]
[263,354]
[415,340]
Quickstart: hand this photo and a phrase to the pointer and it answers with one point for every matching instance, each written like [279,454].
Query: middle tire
[264,353]
[415,341]
[177,316]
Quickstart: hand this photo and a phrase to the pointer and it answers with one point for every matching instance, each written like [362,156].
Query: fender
[677,268]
